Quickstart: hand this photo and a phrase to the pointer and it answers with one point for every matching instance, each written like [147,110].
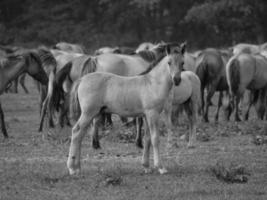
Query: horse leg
[22,83]
[3,126]
[251,100]
[152,121]
[191,109]
[147,144]
[108,120]
[43,112]
[237,100]
[168,120]
[15,85]
[42,97]
[211,91]
[78,133]
[219,106]
[259,104]
[138,139]
[64,110]
[94,131]
[202,99]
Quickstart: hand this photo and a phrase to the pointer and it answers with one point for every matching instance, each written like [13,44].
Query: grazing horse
[12,67]
[68,47]
[142,95]
[210,68]
[246,71]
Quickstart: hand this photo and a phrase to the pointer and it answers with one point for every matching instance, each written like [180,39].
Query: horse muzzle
[176,80]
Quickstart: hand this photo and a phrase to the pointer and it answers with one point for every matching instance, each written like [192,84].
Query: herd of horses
[148,83]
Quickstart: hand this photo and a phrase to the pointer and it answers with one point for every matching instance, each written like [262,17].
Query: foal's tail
[233,75]
[75,109]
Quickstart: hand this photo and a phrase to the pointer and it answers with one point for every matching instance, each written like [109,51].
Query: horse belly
[182,92]
[124,103]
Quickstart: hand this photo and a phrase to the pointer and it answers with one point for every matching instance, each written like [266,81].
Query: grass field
[33,165]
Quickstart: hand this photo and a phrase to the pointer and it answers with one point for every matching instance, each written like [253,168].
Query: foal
[135,96]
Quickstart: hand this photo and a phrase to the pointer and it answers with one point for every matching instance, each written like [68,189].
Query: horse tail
[201,66]
[233,75]
[60,77]
[75,109]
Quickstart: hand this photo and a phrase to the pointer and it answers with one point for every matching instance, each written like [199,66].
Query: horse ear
[183,47]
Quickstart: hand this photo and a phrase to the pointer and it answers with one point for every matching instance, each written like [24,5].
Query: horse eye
[169,62]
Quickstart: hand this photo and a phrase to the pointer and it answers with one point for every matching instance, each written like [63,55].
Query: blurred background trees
[96,23]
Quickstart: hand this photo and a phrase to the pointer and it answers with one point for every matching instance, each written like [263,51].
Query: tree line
[95,23]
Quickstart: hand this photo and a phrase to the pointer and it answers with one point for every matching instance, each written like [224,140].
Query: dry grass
[33,165]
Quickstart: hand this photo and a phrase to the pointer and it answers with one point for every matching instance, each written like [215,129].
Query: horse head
[175,60]
[34,67]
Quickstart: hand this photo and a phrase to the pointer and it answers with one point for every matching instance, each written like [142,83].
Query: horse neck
[161,74]
[12,72]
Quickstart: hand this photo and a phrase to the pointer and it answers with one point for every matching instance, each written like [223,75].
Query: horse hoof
[148,170]
[74,171]
[96,145]
[139,145]
[190,146]
[238,120]
[163,170]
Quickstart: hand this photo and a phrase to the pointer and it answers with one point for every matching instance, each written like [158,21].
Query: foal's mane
[147,55]
[152,65]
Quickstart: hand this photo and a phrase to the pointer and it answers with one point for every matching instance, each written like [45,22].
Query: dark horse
[13,66]
[210,68]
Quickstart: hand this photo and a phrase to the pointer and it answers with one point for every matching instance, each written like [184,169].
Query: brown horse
[12,67]
[210,68]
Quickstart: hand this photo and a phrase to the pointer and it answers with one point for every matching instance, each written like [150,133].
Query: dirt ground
[33,164]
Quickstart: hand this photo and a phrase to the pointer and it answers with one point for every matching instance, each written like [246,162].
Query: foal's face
[176,63]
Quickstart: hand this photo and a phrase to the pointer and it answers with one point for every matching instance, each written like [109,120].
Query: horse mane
[46,57]
[89,66]
[31,55]
[5,61]
[147,55]
[152,65]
